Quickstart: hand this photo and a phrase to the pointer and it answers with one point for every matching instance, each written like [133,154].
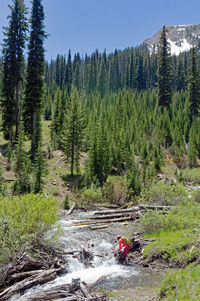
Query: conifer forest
[104,129]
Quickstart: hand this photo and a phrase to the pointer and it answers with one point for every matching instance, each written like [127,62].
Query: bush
[185,216]
[164,194]
[90,196]
[115,190]
[151,221]
[181,284]
[196,195]
[23,221]
[191,175]
[174,247]
[66,202]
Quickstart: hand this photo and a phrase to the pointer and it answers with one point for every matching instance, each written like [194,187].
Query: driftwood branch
[18,287]
[76,291]
[121,219]
[71,209]
[133,209]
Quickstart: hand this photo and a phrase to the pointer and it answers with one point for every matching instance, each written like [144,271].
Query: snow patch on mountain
[180,37]
[184,46]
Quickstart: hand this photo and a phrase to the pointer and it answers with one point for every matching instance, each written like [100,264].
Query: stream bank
[132,281]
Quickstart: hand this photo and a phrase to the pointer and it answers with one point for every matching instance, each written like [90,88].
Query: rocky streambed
[88,241]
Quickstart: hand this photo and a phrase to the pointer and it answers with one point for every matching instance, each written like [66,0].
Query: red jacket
[121,241]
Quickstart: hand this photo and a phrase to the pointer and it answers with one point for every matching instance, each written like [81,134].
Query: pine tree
[13,60]
[133,177]
[72,132]
[131,77]
[22,165]
[193,86]
[35,73]
[114,79]
[68,75]
[164,72]
[102,76]
[77,72]
[99,157]
[40,170]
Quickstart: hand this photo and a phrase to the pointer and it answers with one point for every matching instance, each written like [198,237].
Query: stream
[101,244]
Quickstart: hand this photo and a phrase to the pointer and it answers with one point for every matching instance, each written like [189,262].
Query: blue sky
[86,25]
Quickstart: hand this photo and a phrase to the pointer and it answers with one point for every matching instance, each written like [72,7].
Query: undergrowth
[23,221]
[181,285]
[177,243]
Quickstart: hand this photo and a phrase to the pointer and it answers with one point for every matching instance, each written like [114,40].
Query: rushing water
[101,244]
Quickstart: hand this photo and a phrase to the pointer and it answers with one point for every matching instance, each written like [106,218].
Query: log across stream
[88,245]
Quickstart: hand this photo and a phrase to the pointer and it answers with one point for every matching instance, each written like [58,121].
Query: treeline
[123,110]
[128,131]
[133,68]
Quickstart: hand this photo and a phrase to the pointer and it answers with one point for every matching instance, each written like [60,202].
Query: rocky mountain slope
[181,38]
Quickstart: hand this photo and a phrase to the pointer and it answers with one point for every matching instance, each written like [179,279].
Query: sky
[85,25]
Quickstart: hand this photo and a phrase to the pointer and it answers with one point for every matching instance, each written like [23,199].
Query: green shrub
[23,221]
[196,195]
[191,175]
[173,246]
[90,196]
[182,284]
[66,202]
[185,216]
[151,221]
[174,232]
[164,194]
[115,190]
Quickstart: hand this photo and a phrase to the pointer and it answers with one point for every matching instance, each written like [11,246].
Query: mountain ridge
[180,38]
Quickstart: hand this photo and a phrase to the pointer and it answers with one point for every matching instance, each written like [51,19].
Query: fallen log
[115,220]
[49,294]
[20,276]
[132,209]
[71,209]
[18,287]
[109,216]
[76,291]
[155,207]
[72,298]
[85,291]
[99,227]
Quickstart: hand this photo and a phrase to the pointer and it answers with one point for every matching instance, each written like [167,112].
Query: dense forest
[119,120]
[123,110]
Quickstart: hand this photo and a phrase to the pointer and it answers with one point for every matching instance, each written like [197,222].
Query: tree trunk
[17,110]
[33,138]
[10,133]
[72,160]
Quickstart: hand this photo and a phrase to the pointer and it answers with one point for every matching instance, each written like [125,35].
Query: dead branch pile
[27,271]
[76,291]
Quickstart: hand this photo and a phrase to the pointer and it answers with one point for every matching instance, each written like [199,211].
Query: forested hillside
[125,111]
[119,129]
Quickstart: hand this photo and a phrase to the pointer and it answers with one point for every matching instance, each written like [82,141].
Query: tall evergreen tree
[193,86]
[77,71]
[40,169]
[114,79]
[13,60]
[72,134]
[102,76]
[164,72]
[68,75]
[35,74]
[22,165]
[100,160]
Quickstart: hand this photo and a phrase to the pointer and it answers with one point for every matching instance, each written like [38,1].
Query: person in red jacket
[123,240]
